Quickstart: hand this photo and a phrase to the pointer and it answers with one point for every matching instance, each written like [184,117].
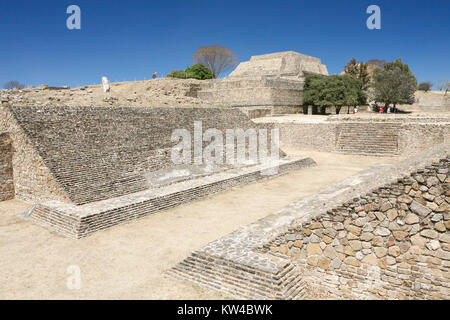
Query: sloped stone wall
[33,180]
[391,243]
[6,169]
[86,154]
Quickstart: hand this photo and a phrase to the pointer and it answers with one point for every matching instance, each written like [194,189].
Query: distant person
[355,110]
[154,75]
[105,84]
[381,110]
[389,110]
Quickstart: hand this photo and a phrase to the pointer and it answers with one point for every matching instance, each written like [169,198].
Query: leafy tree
[218,59]
[351,69]
[358,71]
[179,74]
[334,90]
[425,86]
[199,71]
[395,84]
[364,75]
[13,85]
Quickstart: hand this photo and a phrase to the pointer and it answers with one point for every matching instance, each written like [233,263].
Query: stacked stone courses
[380,234]
[88,168]
[6,170]
[383,137]
[266,84]
[100,153]
[79,221]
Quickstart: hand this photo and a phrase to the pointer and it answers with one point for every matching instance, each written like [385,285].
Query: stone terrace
[292,254]
[100,153]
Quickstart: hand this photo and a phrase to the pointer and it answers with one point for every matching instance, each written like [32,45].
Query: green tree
[364,75]
[333,91]
[425,86]
[199,71]
[395,84]
[358,71]
[179,74]
[352,69]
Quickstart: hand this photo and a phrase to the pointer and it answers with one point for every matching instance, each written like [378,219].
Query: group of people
[388,110]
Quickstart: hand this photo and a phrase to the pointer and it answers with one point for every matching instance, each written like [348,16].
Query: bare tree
[444,85]
[13,85]
[218,59]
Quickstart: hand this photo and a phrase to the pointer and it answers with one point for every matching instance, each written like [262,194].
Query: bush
[199,71]
[425,86]
[179,74]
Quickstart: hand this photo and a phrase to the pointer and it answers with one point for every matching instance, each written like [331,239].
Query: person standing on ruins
[154,75]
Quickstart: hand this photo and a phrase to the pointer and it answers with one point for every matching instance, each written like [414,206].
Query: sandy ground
[128,261]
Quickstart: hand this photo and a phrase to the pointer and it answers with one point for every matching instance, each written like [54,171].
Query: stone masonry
[6,169]
[380,234]
[79,221]
[86,154]
[391,243]
[382,136]
[267,84]
[89,168]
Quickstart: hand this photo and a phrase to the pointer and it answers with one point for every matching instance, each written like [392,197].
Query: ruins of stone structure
[6,169]
[266,84]
[89,168]
[380,234]
[376,135]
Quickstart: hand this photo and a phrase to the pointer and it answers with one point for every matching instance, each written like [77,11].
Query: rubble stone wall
[33,180]
[6,168]
[391,243]
[382,233]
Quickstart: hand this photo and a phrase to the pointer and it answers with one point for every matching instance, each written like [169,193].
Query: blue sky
[127,40]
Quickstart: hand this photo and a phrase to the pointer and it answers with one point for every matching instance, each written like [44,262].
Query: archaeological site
[346,206]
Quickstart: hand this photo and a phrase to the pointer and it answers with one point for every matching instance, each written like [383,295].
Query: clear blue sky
[124,40]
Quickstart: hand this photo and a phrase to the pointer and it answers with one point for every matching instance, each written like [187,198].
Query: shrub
[199,71]
[180,74]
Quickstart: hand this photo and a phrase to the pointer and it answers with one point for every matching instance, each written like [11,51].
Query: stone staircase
[239,280]
[368,138]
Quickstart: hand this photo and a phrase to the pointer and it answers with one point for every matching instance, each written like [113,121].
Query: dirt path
[128,261]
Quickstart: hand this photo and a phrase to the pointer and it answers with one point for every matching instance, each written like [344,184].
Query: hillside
[153,93]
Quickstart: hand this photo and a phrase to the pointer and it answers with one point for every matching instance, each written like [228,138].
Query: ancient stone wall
[85,154]
[33,180]
[382,233]
[364,137]
[391,243]
[6,168]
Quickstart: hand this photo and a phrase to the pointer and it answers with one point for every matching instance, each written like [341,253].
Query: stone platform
[371,236]
[266,84]
[79,221]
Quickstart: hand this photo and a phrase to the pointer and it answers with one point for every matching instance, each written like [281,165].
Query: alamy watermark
[236,147]
[374,20]
[74,20]
[73,282]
